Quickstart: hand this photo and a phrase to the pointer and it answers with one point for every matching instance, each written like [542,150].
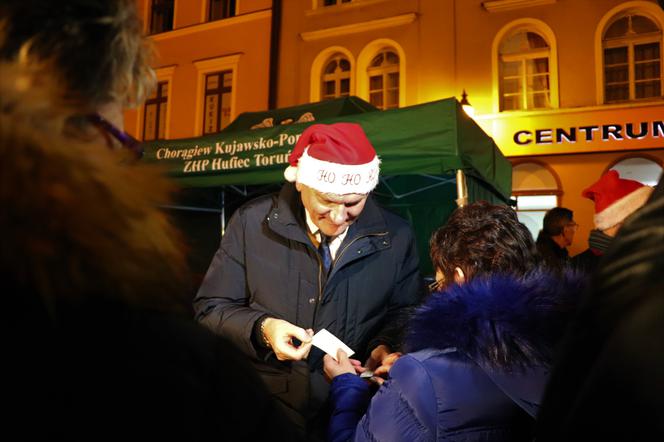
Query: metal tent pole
[462,189]
[223,211]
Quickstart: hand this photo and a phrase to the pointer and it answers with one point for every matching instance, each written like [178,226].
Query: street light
[466,106]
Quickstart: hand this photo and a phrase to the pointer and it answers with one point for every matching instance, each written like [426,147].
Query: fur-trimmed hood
[501,321]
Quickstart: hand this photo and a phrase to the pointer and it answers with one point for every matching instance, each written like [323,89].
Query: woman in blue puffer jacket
[479,349]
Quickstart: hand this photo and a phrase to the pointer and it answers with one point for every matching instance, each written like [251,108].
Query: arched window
[524,71]
[645,170]
[335,80]
[383,74]
[632,59]
[536,190]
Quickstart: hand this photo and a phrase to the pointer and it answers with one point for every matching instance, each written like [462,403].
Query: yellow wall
[427,42]
[247,35]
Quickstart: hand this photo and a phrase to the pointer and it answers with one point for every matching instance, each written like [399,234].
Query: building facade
[212,63]
[567,88]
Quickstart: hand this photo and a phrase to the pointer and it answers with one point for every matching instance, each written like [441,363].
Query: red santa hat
[334,158]
[615,198]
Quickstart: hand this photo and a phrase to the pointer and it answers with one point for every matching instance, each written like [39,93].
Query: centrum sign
[578,130]
[605,132]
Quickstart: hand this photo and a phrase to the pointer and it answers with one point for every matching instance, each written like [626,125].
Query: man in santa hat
[615,199]
[320,254]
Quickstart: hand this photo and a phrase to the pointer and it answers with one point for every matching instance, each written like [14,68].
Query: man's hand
[280,334]
[342,365]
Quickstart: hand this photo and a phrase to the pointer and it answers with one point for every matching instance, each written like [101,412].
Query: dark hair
[555,221]
[96,47]
[481,239]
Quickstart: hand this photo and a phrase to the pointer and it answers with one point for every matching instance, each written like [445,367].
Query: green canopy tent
[429,153]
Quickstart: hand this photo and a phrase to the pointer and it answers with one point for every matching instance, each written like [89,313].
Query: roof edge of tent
[411,140]
[348,105]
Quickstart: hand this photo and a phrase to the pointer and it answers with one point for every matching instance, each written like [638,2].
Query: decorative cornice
[165,70]
[213,62]
[507,5]
[359,27]
[572,110]
[216,24]
[317,9]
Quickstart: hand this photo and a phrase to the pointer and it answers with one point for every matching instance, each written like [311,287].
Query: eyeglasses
[123,137]
[435,286]
[572,224]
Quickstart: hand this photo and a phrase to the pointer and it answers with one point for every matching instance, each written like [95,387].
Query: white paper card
[330,344]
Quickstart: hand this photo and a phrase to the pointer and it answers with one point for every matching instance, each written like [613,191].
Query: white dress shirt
[334,243]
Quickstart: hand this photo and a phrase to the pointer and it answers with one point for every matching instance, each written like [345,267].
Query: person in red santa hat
[615,199]
[320,254]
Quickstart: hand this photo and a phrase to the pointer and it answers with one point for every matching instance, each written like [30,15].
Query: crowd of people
[515,340]
[614,199]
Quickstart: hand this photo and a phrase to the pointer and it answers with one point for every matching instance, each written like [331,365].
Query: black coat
[553,255]
[586,261]
[267,265]
[609,381]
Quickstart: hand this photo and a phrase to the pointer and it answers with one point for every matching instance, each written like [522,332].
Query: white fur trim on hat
[290,174]
[622,208]
[340,179]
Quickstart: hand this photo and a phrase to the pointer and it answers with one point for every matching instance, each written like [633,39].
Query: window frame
[629,156]
[158,100]
[364,62]
[523,58]
[383,72]
[318,68]
[336,77]
[649,10]
[321,3]
[163,74]
[219,93]
[558,191]
[207,9]
[544,31]
[204,67]
[150,15]
[630,43]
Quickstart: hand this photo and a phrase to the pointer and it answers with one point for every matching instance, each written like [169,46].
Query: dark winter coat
[609,381]
[479,365]
[267,265]
[588,260]
[553,255]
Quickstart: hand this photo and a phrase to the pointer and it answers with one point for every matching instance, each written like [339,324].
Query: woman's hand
[342,365]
